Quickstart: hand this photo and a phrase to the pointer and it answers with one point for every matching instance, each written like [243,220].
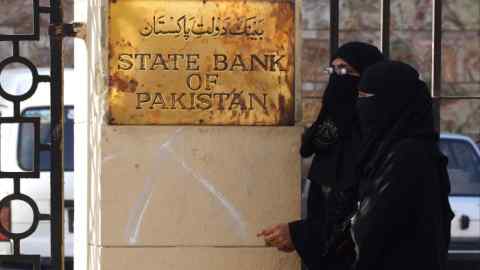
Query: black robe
[334,140]
[404,217]
[329,202]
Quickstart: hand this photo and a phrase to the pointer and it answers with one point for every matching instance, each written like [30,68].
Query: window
[463,166]
[25,135]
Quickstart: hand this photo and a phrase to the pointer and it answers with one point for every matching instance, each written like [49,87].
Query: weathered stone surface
[461,116]
[460,54]
[314,59]
[461,15]
[313,89]
[411,14]
[187,258]
[208,186]
[354,14]
[316,14]
[405,14]
[359,14]
[417,14]
[311,108]
[370,36]
[461,57]
[460,89]
[413,48]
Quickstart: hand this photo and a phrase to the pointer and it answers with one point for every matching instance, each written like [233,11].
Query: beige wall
[183,197]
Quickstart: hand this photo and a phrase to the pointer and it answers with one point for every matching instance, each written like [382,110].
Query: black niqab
[341,92]
[339,103]
[336,166]
[400,107]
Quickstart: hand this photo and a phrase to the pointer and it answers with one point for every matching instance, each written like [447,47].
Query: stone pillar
[183,197]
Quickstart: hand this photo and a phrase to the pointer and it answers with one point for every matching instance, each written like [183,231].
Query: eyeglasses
[339,70]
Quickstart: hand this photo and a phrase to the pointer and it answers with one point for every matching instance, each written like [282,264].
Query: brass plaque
[207,62]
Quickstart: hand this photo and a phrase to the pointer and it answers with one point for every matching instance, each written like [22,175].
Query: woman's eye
[365,94]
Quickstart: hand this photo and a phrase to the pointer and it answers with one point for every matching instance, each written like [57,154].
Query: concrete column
[183,197]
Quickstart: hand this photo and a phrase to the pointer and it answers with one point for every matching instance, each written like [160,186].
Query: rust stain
[111,50]
[122,83]
[285,108]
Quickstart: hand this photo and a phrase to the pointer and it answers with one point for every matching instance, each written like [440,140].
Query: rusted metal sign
[202,62]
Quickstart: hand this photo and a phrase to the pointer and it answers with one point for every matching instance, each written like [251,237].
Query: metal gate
[385,46]
[57,31]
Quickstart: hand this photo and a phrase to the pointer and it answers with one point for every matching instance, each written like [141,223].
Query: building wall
[411,39]
[183,197]
[360,20]
[123,182]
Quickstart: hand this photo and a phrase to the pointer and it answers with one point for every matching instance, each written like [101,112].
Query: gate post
[437,61]
[56,97]
[182,196]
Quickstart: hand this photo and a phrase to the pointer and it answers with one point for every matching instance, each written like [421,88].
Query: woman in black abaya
[334,140]
[403,221]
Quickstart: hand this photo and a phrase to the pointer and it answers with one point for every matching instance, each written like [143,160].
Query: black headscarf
[334,140]
[341,93]
[400,107]
[359,55]
[336,167]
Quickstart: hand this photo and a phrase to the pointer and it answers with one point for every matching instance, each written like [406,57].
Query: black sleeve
[308,235]
[385,212]
[342,204]
[339,246]
[307,149]
[308,239]
[313,238]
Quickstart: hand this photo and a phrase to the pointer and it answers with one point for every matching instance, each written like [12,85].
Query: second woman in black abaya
[403,221]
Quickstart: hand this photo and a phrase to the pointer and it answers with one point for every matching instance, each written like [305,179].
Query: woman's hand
[278,236]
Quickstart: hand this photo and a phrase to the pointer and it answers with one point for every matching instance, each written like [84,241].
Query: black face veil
[398,106]
[337,165]
[341,93]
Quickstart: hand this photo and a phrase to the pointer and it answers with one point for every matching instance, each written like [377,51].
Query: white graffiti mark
[139,208]
[135,218]
[232,211]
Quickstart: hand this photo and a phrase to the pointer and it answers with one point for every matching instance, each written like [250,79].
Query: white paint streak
[136,213]
[231,210]
[135,217]
[108,158]
[139,208]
